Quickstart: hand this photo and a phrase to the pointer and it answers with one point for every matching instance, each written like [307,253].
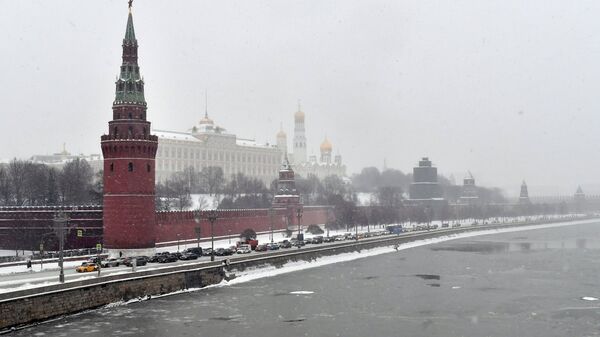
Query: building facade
[207,144]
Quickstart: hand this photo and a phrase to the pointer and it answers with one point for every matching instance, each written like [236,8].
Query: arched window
[112,167]
[130,116]
[144,132]
[148,167]
[130,132]
[116,131]
[130,167]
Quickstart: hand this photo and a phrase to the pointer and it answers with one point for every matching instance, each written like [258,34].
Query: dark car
[272,246]
[328,239]
[206,252]
[298,243]
[285,244]
[223,252]
[261,248]
[168,258]
[140,261]
[195,250]
[317,240]
[188,256]
[308,241]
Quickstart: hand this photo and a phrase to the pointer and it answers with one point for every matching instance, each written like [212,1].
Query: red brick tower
[129,151]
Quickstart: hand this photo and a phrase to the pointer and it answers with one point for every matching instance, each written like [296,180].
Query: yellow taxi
[86,267]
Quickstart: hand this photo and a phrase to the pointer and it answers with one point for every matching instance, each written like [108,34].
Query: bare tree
[17,173]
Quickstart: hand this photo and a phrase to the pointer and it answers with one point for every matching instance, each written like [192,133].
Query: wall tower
[129,151]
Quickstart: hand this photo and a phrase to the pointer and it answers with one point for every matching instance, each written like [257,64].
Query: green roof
[130,32]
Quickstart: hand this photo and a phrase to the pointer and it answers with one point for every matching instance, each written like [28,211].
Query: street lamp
[299,215]
[197,229]
[60,219]
[178,236]
[271,222]
[212,217]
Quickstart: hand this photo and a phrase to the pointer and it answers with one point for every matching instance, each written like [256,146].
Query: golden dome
[299,115]
[206,120]
[281,134]
[326,145]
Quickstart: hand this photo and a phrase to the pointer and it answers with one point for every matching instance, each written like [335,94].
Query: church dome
[281,134]
[206,120]
[299,115]
[326,146]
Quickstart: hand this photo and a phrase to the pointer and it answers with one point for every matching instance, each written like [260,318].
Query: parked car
[194,250]
[328,239]
[111,263]
[340,238]
[188,256]
[317,240]
[168,258]
[308,241]
[261,248]
[223,252]
[298,243]
[206,252]
[244,249]
[86,267]
[285,244]
[272,246]
[139,261]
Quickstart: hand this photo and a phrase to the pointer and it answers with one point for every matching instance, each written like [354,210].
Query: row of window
[130,167]
[178,166]
[186,153]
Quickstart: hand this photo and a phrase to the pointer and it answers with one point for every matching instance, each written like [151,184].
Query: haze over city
[507,90]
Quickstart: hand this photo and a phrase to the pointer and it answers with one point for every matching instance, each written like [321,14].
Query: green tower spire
[130,32]
[130,85]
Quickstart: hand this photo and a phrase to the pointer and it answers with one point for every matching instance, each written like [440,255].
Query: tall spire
[205,103]
[130,85]
[129,32]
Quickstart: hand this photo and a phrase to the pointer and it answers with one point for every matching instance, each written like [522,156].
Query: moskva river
[531,283]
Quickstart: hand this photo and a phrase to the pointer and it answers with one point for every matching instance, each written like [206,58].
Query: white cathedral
[322,167]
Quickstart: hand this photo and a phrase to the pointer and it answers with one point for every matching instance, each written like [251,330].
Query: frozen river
[530,283]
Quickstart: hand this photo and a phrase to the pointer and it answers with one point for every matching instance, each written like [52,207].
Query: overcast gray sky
[508,89]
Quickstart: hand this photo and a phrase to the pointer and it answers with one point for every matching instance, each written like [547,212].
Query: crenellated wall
[26,227]
[173,226]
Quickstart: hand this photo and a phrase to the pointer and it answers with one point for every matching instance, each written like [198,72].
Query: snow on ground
[204,201]
[36,267]
[365,198]
[12,252]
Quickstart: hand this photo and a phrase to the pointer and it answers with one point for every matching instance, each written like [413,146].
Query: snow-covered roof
[250,142]
[174,135]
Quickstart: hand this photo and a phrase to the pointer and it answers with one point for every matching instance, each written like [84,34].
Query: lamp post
[197,229]
[212,217]
[299,216]
[229,235]
[60,219]
[178,236]
[271,222]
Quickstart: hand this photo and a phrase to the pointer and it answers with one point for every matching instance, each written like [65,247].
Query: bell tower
[129,152]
